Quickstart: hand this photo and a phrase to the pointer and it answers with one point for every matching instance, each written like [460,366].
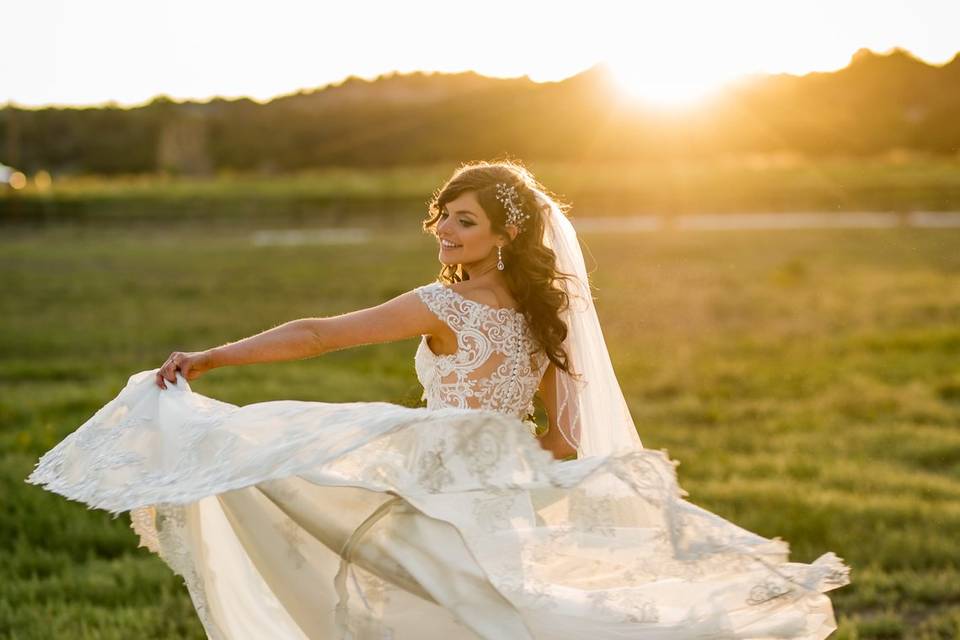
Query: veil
[592,413]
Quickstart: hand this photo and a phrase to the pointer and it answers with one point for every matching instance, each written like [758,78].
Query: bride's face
[464,223]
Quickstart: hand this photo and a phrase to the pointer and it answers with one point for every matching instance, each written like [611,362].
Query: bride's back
[497,364]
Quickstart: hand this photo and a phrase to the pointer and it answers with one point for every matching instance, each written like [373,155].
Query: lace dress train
[292,519]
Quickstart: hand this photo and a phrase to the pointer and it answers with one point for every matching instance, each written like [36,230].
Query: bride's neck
[481,272]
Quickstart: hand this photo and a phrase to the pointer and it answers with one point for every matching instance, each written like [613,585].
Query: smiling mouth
[445,246]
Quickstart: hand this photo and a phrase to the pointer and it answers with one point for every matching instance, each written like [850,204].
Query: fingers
[168,372]
[172,365]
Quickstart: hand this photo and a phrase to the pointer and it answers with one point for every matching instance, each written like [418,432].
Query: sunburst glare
[669,83]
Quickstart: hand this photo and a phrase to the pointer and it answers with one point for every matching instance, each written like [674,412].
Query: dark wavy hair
[531,273]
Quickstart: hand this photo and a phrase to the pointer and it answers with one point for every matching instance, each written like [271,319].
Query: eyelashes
[443,214]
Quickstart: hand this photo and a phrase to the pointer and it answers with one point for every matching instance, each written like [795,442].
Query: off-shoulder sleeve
[445,303]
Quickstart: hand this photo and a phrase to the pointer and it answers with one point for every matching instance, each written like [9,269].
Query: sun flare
[668,84]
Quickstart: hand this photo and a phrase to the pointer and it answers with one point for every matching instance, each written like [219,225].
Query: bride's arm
[553,441]
[402,317]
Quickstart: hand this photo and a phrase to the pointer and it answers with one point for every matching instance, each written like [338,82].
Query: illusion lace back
[497,365]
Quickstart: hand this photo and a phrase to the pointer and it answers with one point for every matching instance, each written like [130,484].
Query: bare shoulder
[484,294]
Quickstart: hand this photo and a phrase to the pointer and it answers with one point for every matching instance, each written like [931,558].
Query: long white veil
[592,412]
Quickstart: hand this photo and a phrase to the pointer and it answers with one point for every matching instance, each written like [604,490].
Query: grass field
[807,381]
[895,182]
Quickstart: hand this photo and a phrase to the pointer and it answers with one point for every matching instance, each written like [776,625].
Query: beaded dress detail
[497,365]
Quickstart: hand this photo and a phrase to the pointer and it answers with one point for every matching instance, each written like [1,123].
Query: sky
[89,52]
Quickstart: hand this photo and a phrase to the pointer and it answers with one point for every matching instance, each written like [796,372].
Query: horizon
[109,53]
[429,72]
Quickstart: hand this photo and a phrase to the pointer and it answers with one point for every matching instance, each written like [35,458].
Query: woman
[296,519]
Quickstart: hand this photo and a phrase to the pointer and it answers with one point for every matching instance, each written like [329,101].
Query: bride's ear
[512,232]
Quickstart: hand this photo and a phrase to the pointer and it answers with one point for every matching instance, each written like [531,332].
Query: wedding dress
[293,519]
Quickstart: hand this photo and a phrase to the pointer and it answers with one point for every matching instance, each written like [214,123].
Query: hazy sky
[92,51]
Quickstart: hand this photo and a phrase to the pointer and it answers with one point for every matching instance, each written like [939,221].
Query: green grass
[806,380]
[747,183]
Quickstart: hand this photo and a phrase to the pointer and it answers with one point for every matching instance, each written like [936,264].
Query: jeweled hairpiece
[507,195]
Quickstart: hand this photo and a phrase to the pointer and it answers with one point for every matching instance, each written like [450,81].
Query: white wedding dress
[369,520]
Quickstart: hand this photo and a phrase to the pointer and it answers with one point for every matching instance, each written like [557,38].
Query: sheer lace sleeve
[444,303]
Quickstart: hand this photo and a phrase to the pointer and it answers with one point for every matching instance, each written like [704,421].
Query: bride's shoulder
[484,294]
[479,293]
[465,295]
[461,290]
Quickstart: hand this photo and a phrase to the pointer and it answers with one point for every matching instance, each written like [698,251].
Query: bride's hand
[190,364]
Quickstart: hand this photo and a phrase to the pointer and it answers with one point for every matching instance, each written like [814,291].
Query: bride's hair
[531,272]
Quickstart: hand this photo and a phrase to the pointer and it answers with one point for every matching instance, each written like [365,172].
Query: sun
[668,84]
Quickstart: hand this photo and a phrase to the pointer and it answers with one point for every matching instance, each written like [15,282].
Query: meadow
[898,182]
[807,381]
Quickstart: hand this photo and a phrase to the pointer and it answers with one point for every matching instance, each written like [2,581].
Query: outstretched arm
[402,317]
[553,441]
[405,316]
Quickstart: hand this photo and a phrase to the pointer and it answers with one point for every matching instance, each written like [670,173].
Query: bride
[362,520]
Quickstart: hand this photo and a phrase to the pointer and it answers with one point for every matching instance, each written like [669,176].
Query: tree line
[876,104]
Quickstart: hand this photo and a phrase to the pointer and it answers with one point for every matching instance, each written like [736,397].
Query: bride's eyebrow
[469,213]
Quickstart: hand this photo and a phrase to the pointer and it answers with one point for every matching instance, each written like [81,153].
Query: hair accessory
[507,195]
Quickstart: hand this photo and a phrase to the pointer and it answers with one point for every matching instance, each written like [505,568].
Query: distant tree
[877,103]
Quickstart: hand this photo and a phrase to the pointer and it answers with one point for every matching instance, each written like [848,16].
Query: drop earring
[499,259]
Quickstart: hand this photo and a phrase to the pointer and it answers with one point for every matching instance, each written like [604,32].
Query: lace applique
[497,366]
[595,539]
[163,530]
[433,472]
[768,590]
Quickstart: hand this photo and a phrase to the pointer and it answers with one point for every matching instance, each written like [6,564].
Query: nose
[441,225]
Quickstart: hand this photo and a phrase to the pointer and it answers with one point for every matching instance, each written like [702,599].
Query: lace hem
[158,456]
[163,530]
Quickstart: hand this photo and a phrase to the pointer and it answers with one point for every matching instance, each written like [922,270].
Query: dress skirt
[369,520]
